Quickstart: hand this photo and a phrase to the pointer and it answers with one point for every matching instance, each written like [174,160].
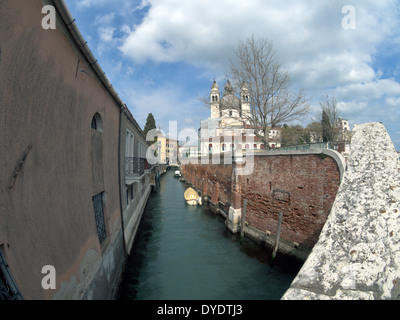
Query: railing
[135,167]
[8,289]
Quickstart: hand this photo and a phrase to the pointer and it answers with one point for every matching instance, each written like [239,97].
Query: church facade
[228,129]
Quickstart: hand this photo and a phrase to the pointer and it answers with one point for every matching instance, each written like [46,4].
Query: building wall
[302,186]
[47,215]
[133,201]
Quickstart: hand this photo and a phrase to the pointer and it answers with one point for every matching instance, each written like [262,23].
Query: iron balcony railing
[135,167]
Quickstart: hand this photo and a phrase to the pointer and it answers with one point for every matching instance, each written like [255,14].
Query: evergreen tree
[326,127]
[150,124]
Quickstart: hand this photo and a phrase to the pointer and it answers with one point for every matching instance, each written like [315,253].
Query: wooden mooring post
[243,220]
[278,235]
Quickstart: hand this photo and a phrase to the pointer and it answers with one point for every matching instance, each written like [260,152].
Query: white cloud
[83,4]
[371,90]
[393,102]
[352,107]
[106,34]
[307,36]
[105,19]
[188,120]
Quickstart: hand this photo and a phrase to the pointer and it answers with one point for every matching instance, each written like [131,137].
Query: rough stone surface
[358,253]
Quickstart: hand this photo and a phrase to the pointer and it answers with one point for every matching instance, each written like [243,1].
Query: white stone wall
[358,253]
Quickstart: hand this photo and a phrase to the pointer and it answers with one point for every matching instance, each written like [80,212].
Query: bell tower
[214,101]
[245,100]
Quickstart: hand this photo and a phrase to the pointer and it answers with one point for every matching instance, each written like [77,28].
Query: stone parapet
[357,255]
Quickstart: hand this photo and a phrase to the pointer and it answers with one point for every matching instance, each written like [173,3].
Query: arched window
[210,147]
[262,147]
[224,147]
[247,146]
[97,123]
[255,146]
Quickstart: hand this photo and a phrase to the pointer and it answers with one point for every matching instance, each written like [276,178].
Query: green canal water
[186,253]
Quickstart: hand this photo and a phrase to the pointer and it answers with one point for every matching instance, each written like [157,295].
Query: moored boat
[177,173]
[192,197]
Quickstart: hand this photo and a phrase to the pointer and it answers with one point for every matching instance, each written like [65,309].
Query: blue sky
[162,55]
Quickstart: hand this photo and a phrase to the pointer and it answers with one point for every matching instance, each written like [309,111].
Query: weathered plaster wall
[358,253]
[47,216]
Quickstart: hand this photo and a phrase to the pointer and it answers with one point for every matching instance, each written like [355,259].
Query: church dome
[229,101]
[228,88]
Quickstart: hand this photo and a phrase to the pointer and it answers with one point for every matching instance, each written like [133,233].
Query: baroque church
[230,118]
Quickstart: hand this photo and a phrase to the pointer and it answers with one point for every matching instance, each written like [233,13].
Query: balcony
[135,168]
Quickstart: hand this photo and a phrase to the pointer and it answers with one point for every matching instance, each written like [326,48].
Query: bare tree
[330,117]
[272,100]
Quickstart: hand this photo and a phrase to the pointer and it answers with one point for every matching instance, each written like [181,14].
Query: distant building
[172,151]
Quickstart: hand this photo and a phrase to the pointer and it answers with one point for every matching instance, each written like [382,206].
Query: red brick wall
[212,180]
[303,187]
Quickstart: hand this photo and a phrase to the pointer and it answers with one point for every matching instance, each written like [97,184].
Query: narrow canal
[186,253]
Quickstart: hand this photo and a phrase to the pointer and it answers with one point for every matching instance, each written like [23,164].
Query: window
[129,144]
[230,113]
[141,150]
[255,147]
[98,206]
[210,146]
[224,147]
[97,123]
[129,195]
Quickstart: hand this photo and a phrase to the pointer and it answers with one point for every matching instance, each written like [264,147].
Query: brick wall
[213,181]
[303,187]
